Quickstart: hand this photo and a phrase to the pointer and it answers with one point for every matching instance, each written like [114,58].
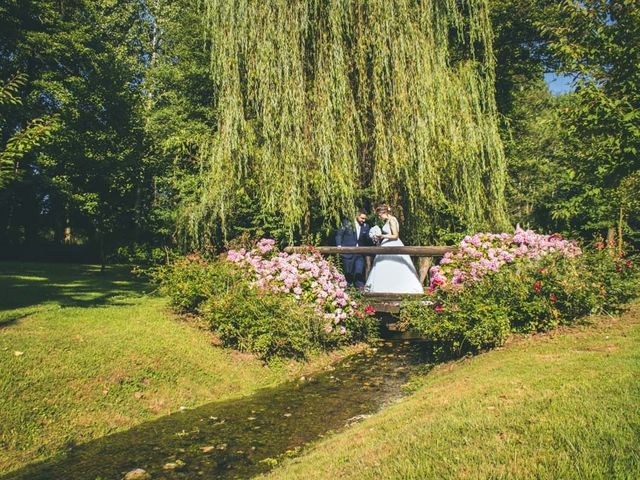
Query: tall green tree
[178,112]
[535,146]
[600,42]
[520,46]
[22,140]
[84,61]
[320,105]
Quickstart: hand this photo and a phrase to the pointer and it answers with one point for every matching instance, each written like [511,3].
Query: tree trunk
[67,238]
[611,237]
[103,260]
[620,225]
[138,213]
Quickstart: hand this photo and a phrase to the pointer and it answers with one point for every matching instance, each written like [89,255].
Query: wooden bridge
[387,302]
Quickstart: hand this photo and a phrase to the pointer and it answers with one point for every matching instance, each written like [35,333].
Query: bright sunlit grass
[566,405]
[84,354]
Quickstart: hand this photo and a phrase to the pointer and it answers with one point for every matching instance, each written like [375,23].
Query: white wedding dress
[392,273]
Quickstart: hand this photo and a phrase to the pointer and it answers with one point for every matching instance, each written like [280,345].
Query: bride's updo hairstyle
[384,208]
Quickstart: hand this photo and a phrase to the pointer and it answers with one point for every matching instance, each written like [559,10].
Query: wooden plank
[389,302]
[425,251]
[386,307]
[392,297]
[424,267]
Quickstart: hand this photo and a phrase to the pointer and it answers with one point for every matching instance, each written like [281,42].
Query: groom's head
[361,216]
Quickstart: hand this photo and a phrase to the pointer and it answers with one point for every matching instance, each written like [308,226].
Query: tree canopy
[323,105]
[143,126]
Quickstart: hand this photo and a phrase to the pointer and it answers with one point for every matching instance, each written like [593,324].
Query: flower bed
[496,284]
[308,277]
[483,253]
[269,302]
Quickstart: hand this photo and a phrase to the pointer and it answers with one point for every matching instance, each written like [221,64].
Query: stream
[244,437]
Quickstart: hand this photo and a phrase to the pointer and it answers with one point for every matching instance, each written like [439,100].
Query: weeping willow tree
[324,104]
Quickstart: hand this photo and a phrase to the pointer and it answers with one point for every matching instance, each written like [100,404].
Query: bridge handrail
[419,251]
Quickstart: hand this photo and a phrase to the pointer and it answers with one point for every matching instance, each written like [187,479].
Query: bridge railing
[424,253]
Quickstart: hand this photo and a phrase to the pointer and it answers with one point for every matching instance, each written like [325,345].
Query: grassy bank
[564,405]
[83,354]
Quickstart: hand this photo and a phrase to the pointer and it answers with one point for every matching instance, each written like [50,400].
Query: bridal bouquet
[374,233]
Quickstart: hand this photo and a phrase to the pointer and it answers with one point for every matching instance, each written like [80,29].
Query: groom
[354,233]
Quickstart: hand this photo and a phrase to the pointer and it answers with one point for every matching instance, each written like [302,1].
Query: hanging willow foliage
[320,100]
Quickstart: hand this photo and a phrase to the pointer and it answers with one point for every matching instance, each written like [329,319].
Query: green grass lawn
[565,405]
[83,354]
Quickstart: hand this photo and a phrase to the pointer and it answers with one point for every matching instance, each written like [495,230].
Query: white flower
[375,233]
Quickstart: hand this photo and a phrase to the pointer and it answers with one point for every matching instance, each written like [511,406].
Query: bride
[392,273]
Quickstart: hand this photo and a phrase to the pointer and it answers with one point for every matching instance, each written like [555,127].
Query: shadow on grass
[243,437]
[25,285]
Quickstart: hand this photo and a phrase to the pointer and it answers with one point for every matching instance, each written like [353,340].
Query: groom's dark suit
[348,236]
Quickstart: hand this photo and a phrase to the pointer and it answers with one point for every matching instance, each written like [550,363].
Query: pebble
[137,474]
[208,449]
[356,419]
[174,465]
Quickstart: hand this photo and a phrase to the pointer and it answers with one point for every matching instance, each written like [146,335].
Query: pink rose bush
[270,303]
[483,253]
[307,276]
[498,284]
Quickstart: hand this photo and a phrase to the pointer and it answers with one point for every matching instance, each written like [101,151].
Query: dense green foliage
[600,42]
[321,102]
[526,298]
[24,139]
[172,124]
[573,161]
[250,319]
[82,64]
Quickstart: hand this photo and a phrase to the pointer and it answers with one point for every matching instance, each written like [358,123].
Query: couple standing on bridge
[389,273]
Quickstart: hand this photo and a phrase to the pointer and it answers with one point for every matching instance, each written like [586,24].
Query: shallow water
[244,437]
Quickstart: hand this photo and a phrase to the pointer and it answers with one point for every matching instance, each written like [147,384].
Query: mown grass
[84,354]
[564,405]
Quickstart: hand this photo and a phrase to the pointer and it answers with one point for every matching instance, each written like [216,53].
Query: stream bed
[243,437]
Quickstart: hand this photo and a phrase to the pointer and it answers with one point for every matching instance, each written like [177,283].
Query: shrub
[267,302]
[470,324]
[534,293]
[485,253]
[266,324]
[191,280]
[140,254]
[307,277]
